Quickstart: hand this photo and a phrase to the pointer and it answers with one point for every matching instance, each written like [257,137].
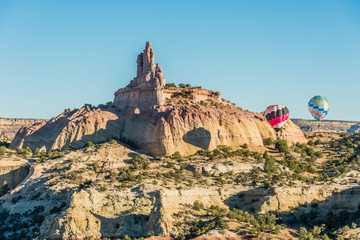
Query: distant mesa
[328,126]
[156,119]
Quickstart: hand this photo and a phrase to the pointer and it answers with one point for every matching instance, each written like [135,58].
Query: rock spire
[146,89]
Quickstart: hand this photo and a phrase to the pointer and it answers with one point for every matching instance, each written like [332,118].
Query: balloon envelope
[277,116]
[319,107]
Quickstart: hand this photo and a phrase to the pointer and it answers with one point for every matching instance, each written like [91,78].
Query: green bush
[4,188]
[139,163]
[102,188]
[268,142]
[27,152]
[319,154]
[2,150]
[282,146]
[269,165]
[198,205]
[314,203]
[89,144]
[36,152]
[169,85]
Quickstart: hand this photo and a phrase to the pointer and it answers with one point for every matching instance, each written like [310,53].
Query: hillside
[107,190]
[10,126]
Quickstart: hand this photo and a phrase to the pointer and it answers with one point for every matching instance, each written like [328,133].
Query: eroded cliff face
[164,130]
[13,172]
[72,128]
[327,126]
[10,126]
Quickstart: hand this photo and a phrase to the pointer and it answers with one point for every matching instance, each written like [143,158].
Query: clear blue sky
[62,53]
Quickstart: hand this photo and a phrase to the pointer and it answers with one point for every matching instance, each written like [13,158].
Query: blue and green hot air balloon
[319,107]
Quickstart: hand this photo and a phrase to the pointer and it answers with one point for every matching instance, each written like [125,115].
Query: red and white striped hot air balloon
[277,116]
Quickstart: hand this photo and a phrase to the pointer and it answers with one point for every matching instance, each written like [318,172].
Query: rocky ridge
[10,126]
[329,126]
[156,121]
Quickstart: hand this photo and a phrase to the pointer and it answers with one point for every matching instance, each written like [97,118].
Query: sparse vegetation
[276,166]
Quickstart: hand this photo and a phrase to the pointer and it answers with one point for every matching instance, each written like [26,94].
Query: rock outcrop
[146,89]
[327,126]
[156,121]
[13,172]
[72,128]
[10,126]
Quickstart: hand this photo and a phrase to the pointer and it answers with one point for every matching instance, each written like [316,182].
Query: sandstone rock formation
[13,172]
[100,205]
[327,126]
[72,128]
[146,89]
[10,126]
[155,121]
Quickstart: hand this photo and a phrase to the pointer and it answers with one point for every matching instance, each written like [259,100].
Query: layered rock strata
[327,126]
[188,120]
[10,126]
[146,89]
[13,172]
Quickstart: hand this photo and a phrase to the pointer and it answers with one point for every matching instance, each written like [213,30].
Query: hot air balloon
[277,116]
[319,107]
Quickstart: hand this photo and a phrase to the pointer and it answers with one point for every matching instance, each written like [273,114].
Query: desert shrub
[169,85]
[269,165]
[170,165]
[113,141]
[89,144]
[281,146]
[317,142]
[139,163]
[27,152]
[177,156]
[268,142]
[176,175]
[202,102]
[314,203]
[95,166]
[198,205]
[319,154]
[102,188]
[19,150]
[74,176]
[2,150]
[4,188]
[310,151]
[36,152]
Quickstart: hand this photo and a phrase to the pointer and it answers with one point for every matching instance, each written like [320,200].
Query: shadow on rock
[251,200]
[338,210]
[133,225]
[199,137]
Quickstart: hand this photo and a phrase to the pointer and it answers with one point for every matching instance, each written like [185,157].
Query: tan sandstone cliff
[156,121]
[10,126]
